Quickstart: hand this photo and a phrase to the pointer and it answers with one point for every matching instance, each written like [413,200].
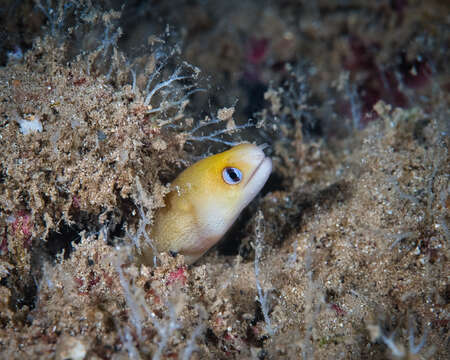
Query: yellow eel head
[206,199]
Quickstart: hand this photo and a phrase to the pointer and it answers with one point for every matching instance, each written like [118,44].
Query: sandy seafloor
[343,255]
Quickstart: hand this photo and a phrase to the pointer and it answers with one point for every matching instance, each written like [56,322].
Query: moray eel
[205,200]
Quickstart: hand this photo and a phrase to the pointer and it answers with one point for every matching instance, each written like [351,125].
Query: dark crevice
[23,292]
[63,240]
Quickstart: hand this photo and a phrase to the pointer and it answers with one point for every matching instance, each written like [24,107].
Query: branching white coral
[397,349]
[215,136]
[141,238]
[140,313]
[136,313]
[191,345]
[56,16]
[127,341]
[173,94]
[262,294]
[163,84]
[164,329]
[293,256]
[142,233]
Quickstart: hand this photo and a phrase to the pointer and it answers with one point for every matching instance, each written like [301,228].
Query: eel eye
[232,175]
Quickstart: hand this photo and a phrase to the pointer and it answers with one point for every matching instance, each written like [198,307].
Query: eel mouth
[265,161]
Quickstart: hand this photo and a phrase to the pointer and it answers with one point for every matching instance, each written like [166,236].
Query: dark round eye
[232,175]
